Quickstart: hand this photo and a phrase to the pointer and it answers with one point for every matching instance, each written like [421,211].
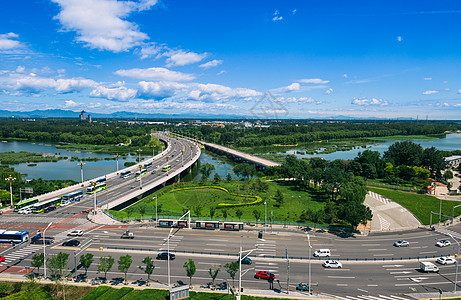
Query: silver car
[401,243]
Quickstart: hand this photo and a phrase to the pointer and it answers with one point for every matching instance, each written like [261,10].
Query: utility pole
[116,158]
[81,164]
[10,179]
[288,271]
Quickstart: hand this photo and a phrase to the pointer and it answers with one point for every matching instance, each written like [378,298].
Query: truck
[127,235]
[427,266]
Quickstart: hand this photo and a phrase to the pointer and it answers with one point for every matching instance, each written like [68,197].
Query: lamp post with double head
[81,164]
[310,249]
[238,296]
[10,179]
[116,158]
[94,184]
[44,254]
[156,215]
[167,167]
[265,216]
[140,176]
[139,155]
[182,157]
[457,261]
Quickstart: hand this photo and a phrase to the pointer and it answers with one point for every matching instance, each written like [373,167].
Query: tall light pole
[139,155]
[237,297]
[116,158]
[182,157]
[81,164]
[156,215]
[10,179]
[94,184]
[168,252]
[265,215]
[457,262]
[167,157]
[440,211]
[310,249]
[140,177]
[44,255]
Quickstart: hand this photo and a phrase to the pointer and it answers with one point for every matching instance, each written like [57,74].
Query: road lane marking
[371,245]
[342,284]
[401,272]
[342,277]
[427,252]
[377,249]
[392,266]
[220,250]
[388,254]
[372,285]
[362,290]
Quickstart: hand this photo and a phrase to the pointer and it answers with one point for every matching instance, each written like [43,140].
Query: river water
[66,169]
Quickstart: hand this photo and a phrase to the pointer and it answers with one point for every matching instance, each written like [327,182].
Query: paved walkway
[389,215]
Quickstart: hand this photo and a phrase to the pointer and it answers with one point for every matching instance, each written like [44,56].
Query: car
[2,258]
[164,256]
[41,240]
[322,253]
[443,243]
[246,261]
[65,203]
[446,260]
[264,275]
[302,287]
[71,243]
[25,211]
[401,243]
[153,171]
[50,208]
[332,264]
[76,232]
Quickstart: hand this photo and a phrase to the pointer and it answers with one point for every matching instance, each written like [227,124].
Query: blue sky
[276,59]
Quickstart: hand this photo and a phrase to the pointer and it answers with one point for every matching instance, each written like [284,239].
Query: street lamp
[153,150]
[116,158]
[94,184]
[139,155]
[310,249]
[168,253]
[140,177]
[237,297]
[182,157]
[156,216]
[10,179]
[81,164]
[265,215]
[44,255]
[167,157]
[457,261]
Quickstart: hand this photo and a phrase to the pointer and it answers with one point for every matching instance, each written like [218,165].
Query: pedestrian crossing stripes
[379,197]
[369,297]
[384,223]
[20,254]
[448,231]
[31,219]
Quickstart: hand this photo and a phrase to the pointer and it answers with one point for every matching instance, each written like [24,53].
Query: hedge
[116,293]
[146,294]
[97,293]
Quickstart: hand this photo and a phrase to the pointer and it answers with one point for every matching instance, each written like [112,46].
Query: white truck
[127,235]
[427,266]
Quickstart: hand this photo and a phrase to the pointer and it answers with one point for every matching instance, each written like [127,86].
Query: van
[426,266]
[322,253]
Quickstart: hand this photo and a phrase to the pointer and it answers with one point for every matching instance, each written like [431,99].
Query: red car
[2,258]
[264,275]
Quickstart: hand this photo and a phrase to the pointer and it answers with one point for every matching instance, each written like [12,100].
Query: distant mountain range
[59,113]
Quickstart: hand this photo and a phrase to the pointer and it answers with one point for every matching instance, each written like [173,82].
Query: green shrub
[97,293]
[114,294]
[147,294]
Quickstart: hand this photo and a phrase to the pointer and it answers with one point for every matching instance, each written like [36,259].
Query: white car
[443,243]
[25,211]
[76,232]
[332,264]
[446,260]
[401,243]
[65,203]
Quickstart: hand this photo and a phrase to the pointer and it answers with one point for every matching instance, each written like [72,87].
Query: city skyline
[292,59]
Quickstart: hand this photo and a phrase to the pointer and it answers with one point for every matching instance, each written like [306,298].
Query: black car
[71,243]
[50,208]
[164,256]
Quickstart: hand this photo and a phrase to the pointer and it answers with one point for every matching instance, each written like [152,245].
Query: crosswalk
[369,297]
[20,254]
[33,219]
[446,231]
[379,197]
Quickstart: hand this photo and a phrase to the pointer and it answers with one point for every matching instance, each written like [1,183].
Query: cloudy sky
[282,59]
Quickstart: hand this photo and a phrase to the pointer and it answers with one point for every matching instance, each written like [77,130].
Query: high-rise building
[83,115]
[89,118]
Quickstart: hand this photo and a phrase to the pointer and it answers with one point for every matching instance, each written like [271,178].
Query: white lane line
[220,250]
[218,240]
[362,290]
[214,244]
[342,277]
[427,252]
[342,284]
[377,249]
[392,266]
[372,285]
[371,245]
[389,254]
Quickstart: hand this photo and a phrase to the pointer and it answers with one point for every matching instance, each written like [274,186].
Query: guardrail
[280,256]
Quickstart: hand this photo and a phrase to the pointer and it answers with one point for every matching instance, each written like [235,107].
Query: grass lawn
[173,203]
[420,205]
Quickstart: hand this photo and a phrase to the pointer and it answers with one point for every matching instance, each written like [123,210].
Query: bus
[148,165]
[10,236]
[207,224]
[166,168]
[140,173]
[75,196]
[102,179]
[25,203]
[97,188]
[172,223]
[40,206]
[125,174]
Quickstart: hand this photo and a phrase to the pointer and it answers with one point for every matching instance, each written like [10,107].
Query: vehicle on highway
[65,203]
[25,211]
[40,206]
[166,168]
[25,203]
[99,187]
[49,208]
[153,171]
[127,235]
[427,266]
[401,243]
[75,196]
[164,256]
[71,243]
[446,260]
[302,287]
[2,258]
[41,240]
[76,232]
[443,243]
[125,174]
[246,261]
[148,165]
[322,253]
[332,264]
[140,173]
[10,236]
[264,275]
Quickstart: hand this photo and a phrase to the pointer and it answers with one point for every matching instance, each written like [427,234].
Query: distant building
[89,118]
[453,161]
[83,115]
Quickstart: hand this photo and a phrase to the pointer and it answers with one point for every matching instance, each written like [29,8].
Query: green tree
[57,265]
[279,198]
[198,211]
[213,271]
[238,213]
[216,178]
[124,264]
[257,214]
[4,288]
[129,211]
[149,268]
[355,213]
[142,210]
[229,177]
[105,264]
[190,269]
[37,261]
[232,269]
[448,175]
[224,213]
[205,170]
[212,211]
[86,260]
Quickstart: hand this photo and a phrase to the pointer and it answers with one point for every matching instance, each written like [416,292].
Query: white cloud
[427,78]
[345,75]
[459,91]
[299,100]
[155,74]
[216,92]
[277,16]
[314,81]
[292,87]
[101,24]
[182,58]
[430,92]
[368,102]
[211,63]
[399,39]
[72,104]
[151,49]
[74,84]
[221,72]
[8,41]
[159,90]
[121,93]
[294,11]
[329,91]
